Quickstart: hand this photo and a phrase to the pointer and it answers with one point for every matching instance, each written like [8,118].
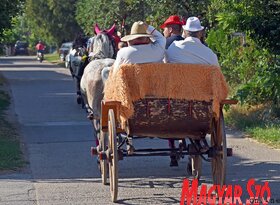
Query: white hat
[193,25]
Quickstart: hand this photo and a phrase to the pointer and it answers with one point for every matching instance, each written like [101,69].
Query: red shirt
[40,46]
[117,39]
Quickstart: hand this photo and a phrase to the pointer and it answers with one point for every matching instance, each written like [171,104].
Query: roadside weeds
[260,123]
[11,155]
[54,58]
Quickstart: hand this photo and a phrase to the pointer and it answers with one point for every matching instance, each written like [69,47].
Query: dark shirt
[172,38]
[80,41]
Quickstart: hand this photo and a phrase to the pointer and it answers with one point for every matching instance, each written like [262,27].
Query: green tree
[105,12]
[17,31]
[8,10]
[250,61]
[258,18]
[53,21]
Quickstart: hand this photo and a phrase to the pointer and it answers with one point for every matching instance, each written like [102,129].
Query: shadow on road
[42,65]
[149,200]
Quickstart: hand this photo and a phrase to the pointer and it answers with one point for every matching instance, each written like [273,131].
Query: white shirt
[147,53]
[191,51]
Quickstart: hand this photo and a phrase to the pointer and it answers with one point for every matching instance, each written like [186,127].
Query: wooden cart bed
[170,118]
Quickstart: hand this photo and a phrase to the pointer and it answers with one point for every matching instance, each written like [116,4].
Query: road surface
[58,137]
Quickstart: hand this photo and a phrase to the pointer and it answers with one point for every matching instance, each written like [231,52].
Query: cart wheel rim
[219,162]
[104,163]
[113,162]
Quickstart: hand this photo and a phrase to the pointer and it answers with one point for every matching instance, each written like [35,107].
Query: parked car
[21,48]
[64,50]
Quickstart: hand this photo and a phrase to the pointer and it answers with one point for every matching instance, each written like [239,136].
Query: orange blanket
[177,81]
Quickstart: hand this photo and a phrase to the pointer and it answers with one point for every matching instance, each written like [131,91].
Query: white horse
[91,83]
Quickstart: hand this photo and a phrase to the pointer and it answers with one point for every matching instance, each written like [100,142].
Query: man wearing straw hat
[191,50]
[145,45]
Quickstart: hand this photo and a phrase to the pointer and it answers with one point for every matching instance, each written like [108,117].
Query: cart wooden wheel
[102,138]
[113,159]
[219,160]
[103,143]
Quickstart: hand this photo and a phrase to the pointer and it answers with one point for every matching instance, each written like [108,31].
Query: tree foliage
[8,10]
[106,12]
[52,21]
[258,18]
[250,62]
[17,31]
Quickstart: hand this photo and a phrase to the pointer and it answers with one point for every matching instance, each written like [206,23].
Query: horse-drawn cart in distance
[168,101]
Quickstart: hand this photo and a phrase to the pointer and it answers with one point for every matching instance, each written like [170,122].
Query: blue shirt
[172,38]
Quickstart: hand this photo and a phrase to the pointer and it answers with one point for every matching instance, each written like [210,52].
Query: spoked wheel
[219,160]
[103,144]
[113,159]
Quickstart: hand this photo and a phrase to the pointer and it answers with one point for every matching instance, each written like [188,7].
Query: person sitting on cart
[144,45]
[191,50]
[172,30]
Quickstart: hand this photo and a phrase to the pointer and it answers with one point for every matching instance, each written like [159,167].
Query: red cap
[172,20]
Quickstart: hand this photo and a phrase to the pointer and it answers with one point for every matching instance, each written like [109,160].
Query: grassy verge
[11,157]
[261,123]
[54,58]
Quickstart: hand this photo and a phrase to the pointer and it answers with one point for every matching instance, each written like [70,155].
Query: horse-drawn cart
[138,103]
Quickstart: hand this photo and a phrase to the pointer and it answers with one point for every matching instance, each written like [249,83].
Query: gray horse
[91,83]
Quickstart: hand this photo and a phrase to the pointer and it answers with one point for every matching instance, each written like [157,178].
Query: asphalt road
[58,137]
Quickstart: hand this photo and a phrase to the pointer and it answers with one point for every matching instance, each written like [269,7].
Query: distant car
[64,50]
[21,48]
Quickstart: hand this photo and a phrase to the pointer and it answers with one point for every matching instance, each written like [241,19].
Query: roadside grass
[261,123]
[54,58]
[268,135]
[11,156]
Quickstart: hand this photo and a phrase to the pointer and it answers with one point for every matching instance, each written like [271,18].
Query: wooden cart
[165,118]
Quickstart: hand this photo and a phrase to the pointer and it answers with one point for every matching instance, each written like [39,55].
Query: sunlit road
[58,138]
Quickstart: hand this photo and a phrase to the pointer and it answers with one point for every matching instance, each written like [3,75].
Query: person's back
[132,54]
[141,49]
[40,47]
[191,50]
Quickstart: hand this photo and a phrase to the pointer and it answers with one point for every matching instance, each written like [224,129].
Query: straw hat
[193,25]
[138,30]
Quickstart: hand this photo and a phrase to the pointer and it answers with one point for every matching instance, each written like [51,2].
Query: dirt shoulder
[13,152]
